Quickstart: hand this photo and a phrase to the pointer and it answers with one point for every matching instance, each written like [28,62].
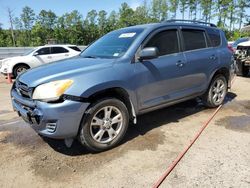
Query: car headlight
[51,91]
[5,62]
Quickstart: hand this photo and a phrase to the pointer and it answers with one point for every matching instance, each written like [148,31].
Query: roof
[173,23]
[59,45]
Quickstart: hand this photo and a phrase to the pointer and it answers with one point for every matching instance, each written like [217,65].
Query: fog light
[51,127]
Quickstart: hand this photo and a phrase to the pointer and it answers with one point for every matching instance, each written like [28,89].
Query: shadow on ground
[146,123]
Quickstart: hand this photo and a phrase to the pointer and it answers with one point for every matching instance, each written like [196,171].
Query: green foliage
[71,27]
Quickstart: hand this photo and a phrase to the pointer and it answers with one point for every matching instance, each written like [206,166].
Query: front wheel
[216,92]
[104,125]
[18,69]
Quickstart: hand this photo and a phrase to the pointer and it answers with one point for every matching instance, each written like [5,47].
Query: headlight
[51,91]
[5,62]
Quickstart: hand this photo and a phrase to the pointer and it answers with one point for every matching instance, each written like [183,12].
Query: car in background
[238,41]
[37,56]
[242,57]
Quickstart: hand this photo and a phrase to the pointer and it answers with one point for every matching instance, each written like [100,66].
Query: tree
[232,12]
[159,10]
[173,7]
[183,6]
[10,14]
[44,27]
[192,4]
[90,27]
[102,22]
[126,14]
[242,5]
[206,7]
[27,19]
[141,14]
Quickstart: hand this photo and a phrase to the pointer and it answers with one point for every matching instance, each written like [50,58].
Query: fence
[6,52]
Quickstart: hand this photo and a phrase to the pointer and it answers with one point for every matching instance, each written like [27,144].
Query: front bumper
[54,120]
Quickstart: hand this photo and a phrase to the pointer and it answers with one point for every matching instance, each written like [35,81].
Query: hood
[247,43]
[12,59]
[62,70]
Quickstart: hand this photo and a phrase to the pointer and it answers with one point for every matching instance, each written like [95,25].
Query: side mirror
[148,53]
[35,53]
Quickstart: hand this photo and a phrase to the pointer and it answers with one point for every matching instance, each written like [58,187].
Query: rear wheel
[216,92]
[18,69]
[104,125]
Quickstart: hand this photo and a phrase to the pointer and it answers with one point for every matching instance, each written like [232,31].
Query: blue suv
[125,73]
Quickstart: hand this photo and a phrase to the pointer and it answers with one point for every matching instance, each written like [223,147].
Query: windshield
[112,45]
[29,51]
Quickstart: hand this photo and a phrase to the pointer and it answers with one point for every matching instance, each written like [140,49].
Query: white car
[36,57]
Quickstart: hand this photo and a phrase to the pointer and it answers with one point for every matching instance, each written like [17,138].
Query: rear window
[58,50]
[75,48]
[214,35]
[193,39]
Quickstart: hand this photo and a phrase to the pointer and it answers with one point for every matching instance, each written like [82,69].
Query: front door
[161,79]
[43,55]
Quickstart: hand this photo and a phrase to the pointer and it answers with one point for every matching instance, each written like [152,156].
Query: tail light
[231,48]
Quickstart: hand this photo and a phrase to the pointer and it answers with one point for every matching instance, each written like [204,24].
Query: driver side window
[43,51]
[165,41]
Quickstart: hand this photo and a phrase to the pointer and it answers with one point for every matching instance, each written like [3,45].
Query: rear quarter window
[75,48]
[215,38]
[193,39]
[58,50]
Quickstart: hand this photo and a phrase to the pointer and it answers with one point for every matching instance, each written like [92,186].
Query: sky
[60,6]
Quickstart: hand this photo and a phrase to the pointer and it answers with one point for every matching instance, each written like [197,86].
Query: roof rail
[191,21]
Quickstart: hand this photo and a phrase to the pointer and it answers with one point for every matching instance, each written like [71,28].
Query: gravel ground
[219,158]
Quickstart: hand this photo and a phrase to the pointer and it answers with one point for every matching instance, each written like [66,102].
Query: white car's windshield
[112,45]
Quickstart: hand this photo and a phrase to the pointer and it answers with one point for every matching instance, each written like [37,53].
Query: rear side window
[193,39]
[75,48]
[165,41]
[43,51]
[58,50]
[214,35]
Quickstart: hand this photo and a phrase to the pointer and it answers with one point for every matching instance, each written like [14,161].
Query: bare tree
[10,14]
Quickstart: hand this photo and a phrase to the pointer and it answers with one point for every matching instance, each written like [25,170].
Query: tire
[97,131]
[242,70]
[216,92]
[245,71]
[18,69]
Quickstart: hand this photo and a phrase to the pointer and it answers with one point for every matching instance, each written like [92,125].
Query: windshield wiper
[90,56]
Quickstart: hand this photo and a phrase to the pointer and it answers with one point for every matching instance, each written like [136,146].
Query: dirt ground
[219,158]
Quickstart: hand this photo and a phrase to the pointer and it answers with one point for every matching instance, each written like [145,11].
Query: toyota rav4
[125,73]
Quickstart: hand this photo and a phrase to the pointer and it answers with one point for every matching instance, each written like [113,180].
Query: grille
[23,90]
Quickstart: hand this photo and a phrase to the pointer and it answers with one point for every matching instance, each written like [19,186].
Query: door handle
[213,57]
[66,54]
[49,57]
[179,63]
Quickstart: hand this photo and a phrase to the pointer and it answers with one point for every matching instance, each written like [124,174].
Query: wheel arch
[18,64]
[223,71]
[118,93]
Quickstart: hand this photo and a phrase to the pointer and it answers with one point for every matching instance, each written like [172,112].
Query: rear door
[201,58]
[59,53]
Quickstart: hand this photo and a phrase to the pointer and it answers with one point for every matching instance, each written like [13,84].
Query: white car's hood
[16,59]
[247,43]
